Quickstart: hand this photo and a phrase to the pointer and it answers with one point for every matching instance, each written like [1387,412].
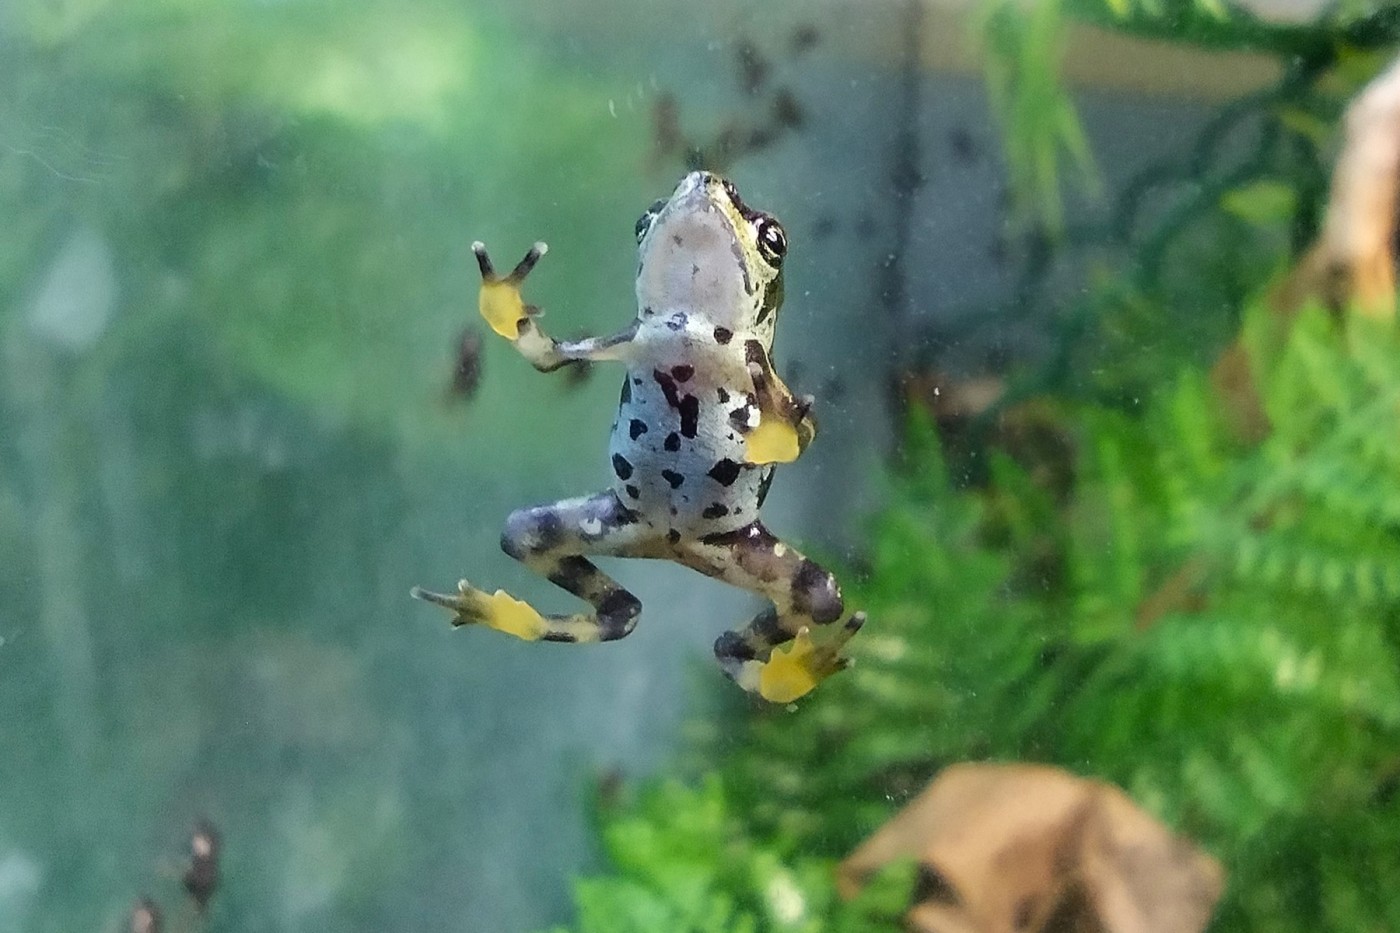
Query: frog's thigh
[552,541]
[802,592]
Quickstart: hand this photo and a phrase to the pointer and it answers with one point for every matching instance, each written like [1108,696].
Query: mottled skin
[701,420]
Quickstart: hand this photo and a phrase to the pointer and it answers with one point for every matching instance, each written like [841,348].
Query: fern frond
[1023,45]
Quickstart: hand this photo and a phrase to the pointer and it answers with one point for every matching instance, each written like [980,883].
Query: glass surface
[246,403]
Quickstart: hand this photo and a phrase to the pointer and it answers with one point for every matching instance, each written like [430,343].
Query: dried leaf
[1025,848]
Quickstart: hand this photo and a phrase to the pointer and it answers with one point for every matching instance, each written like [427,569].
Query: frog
[702,423]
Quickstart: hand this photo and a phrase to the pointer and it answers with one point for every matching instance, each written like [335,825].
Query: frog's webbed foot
[780,437]
[794,669]
[776,656]
[772,441]
[499,300]
[552,541]
[498,610]
[785,423]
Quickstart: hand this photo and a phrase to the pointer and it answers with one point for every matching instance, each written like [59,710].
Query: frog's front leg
[552,541]
[775,656]
[785,423]
[503,308]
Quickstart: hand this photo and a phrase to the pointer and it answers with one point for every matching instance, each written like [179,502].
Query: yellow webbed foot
[794,669]
[498,610]
[499,300]
[773,441]
[785,426]
[502,307]
[790,672]
[505,613]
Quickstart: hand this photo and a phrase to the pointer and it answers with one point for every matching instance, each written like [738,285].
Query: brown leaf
[1352,262]
[1031,849]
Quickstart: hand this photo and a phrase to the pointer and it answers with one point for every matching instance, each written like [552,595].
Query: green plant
[1258,710]
[1211,623]
[687,863]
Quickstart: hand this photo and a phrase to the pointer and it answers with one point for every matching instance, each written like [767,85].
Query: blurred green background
[233,275]
[234,270]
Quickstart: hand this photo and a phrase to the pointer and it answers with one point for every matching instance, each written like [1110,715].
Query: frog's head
[707,253]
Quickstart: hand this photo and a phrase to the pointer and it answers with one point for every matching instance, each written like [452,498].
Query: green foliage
[1023,45]
[1209,624]
[1261,202]
[303,181]
[687,865]
[1197,230]
[1214,625]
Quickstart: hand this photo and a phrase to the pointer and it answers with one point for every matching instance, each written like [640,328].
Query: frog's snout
[706,186]
[693,187]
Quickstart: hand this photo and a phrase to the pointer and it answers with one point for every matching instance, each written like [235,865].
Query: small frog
[702,421]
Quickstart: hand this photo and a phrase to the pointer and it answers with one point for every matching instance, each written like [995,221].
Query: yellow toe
[773,441]
[505,613]
[789,672]
[502,307]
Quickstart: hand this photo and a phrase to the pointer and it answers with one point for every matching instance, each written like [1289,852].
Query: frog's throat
[772,441]
[502,307]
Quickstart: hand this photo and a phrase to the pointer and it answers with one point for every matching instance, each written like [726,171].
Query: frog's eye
[772,241]
[644,222]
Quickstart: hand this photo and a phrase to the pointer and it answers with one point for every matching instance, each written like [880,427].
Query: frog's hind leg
[552,541]
[803,596]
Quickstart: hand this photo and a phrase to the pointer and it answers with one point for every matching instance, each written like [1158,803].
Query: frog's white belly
[678,454]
